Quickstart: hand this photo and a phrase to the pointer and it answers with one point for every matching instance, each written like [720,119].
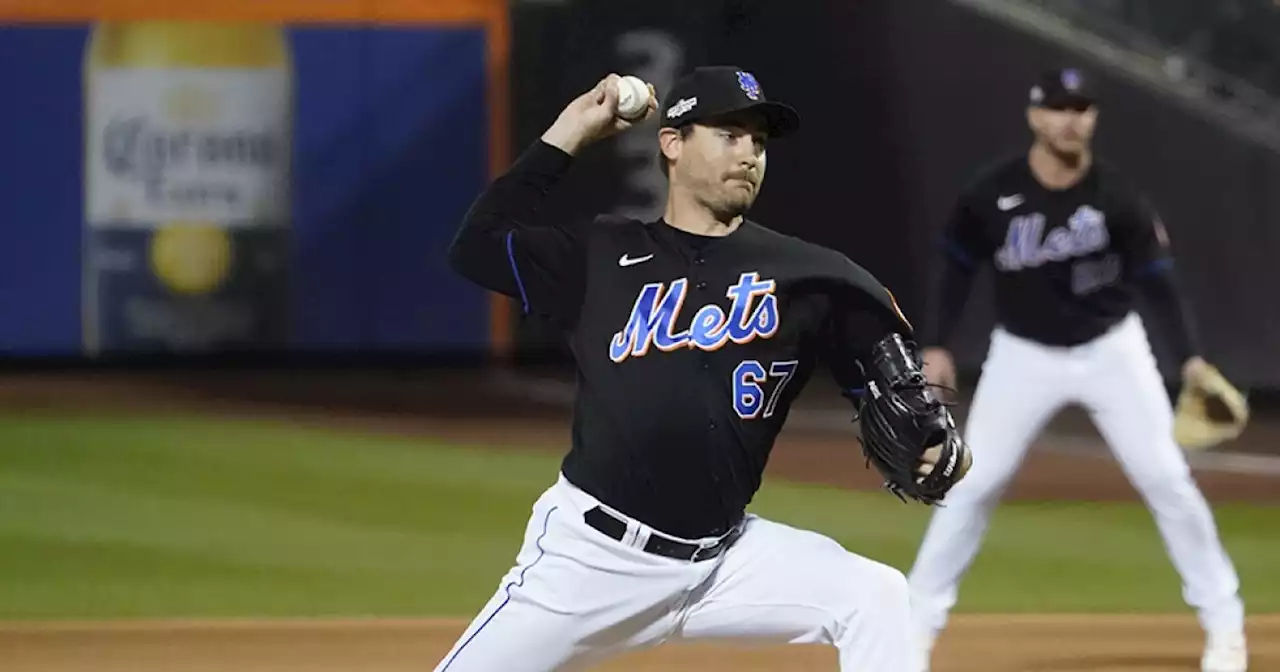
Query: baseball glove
[901,419]
[1210,410]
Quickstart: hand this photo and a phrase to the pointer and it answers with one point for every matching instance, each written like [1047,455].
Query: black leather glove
[901,419]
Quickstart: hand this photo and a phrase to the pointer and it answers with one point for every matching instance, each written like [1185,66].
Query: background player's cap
[1063,89]
[716,91]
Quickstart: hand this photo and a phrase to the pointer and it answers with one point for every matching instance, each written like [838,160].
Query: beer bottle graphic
[188,156]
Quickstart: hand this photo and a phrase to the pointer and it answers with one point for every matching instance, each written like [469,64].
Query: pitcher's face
[722,163]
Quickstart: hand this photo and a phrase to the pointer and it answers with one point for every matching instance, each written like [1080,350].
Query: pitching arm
[507,246]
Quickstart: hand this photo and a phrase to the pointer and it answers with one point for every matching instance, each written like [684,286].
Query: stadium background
[378,459]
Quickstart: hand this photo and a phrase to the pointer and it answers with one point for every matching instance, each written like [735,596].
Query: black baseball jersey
[1065,261]
[689,349]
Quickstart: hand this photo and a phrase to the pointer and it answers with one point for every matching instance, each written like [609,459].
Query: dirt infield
[973,644]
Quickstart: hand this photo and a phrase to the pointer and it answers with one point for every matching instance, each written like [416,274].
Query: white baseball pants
[1115,378]
[576,596]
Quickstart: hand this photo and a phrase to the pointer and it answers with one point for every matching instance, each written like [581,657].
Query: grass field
[111,518]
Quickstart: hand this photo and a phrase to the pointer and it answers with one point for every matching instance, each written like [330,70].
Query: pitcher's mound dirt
[973,644]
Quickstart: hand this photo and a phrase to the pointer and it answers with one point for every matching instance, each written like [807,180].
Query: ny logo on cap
[747,82]
[1071,79]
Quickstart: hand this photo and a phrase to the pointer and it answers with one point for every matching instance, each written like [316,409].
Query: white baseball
[633,97]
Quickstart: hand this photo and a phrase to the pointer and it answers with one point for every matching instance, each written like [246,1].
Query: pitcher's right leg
[573,598]
[515,629]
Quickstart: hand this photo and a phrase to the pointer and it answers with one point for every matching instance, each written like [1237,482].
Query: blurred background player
[1070,241]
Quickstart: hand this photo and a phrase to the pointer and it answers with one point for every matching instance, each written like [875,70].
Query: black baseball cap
[711,92]
[1063,89]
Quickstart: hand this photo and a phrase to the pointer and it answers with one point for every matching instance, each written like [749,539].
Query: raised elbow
[479,255]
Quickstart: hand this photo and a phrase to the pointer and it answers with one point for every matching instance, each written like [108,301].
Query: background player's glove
[1210,409]
[901,419]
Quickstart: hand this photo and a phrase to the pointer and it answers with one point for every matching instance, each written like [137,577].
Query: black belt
[616,528]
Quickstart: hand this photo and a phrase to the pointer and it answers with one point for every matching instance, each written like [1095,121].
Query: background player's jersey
[1062,258]
[690,349]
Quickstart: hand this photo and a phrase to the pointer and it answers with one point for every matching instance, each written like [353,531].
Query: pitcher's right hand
[593,116]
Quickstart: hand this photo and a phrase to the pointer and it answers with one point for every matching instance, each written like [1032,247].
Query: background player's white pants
[576,596]
[1115,378]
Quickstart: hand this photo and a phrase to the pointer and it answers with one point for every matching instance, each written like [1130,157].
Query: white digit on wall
[660,56]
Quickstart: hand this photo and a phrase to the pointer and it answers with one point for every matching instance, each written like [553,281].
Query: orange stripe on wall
[391,11]
[501,329]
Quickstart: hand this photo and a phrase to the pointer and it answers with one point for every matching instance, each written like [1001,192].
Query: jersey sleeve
[964,248]
[1148,262]
[1142,238]
[505,246]
[963,239]
[862,312]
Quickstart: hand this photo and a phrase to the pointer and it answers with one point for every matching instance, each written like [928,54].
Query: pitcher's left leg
[1133,412]
[779,583]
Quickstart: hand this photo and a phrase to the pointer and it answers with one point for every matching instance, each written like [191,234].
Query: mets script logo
[1085,233]
[753,314]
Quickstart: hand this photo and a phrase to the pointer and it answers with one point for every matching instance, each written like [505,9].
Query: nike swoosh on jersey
[624,260]
[1009,202]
